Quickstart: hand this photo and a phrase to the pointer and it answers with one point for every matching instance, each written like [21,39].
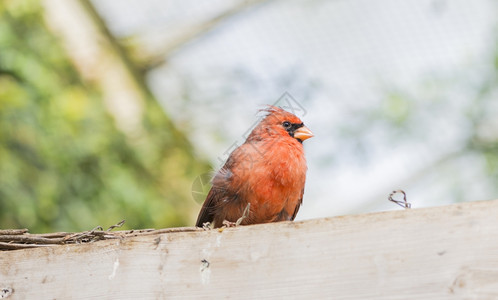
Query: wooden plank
[434,253]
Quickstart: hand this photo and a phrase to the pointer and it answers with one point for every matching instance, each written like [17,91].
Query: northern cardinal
[268,172]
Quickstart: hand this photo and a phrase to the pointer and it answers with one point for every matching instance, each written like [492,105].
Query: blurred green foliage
[63,164]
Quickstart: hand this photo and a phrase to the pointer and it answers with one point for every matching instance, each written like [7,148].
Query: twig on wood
[9,246]
[29,239]
[174,229]
[51,234]
[86,236]
[16,239]
[403,203]
[116,225]
[13,231]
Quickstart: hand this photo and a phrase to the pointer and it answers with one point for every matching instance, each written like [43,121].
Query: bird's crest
[280,113]
[271,109]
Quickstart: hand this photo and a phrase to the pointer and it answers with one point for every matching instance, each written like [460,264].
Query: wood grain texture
[446,252]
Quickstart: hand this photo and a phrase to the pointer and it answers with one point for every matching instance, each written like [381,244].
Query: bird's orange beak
[303,133]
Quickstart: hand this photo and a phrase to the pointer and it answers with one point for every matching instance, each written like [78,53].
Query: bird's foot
[245,214]
[227,224]
[206,226]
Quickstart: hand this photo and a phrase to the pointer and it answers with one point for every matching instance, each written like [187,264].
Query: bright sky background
[337,59]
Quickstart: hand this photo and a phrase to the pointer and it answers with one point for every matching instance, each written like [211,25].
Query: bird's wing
[298,206]
[219,191]
[207,211]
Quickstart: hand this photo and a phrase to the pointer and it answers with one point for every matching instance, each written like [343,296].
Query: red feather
[268,171]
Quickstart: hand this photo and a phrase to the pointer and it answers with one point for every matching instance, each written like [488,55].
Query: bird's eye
[286,124]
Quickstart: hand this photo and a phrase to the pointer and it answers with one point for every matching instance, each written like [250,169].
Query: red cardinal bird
[267,171]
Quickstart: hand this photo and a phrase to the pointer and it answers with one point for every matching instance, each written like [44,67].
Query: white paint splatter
[114,269]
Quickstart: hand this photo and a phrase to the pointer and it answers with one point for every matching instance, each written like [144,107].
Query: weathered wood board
[433,253]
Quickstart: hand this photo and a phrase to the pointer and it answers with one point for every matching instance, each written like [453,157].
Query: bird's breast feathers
[266,170]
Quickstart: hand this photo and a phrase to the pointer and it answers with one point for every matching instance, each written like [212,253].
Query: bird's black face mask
[291,128]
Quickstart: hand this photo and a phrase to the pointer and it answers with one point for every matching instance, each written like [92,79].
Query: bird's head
[282,123]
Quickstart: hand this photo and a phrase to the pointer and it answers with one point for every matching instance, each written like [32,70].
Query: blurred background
[114,110]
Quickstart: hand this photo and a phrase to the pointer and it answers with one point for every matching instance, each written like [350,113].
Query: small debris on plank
[403,203]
